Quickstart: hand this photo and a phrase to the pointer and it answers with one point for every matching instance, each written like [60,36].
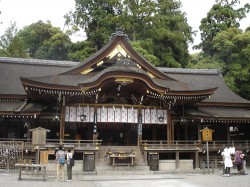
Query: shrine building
[116,100]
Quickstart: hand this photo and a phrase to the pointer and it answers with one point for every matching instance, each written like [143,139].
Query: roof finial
[119,32]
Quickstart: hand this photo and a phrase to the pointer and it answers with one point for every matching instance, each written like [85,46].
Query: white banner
[116,115]
[104,114]
[124,114]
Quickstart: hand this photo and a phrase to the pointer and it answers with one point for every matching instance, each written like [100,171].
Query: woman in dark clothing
[238,160]
[69,166]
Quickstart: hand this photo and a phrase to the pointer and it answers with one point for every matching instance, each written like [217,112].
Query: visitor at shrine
[238,159]
[60,160]
[69,165]
[227,161]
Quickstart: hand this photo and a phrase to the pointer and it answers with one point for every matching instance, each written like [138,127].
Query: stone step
[103,166]
[124,172]
[119,148]
[100,167]
[105,158]
[137,162]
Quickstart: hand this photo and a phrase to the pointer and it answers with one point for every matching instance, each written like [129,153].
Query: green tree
[166,26]
[96,17]
[43,41]
[223,45]
[10,44]
[221,16]
[16,48]
[0,21]
[79,51]
[159,26]
[199,61]
[232,46]
[8,36]
[247,29]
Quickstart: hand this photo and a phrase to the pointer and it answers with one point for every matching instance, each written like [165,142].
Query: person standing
[60,160]
[238,160]
[69,166]
[244,155]
[227,160]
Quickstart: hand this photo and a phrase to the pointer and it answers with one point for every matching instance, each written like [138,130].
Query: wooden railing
[163,145]
[54,143]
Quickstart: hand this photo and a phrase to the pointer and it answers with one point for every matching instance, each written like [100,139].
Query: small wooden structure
[207,134]
[38,139]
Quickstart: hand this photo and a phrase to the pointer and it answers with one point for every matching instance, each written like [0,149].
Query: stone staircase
[103,166]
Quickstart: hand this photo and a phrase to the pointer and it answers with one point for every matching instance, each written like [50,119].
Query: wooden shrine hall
[118,98]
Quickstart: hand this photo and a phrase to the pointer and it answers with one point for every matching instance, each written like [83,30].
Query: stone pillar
[177,160]
[197,160]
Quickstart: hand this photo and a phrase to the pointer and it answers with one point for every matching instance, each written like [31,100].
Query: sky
[26,12]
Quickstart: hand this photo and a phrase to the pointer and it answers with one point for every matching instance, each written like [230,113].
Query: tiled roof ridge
[186,70]
[38,61]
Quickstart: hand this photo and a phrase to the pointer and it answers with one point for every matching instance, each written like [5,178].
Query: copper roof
[11,69]
[219,114]
[206,78]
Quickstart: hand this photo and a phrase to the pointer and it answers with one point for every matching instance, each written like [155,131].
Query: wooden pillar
[228,133]
[6,125]
[139,135]
[172,127]
[178,130]
[154,132]
[198,145]
[139,128]
[186,131]
[199,132]
[94,131]
[169,127]
[62,121]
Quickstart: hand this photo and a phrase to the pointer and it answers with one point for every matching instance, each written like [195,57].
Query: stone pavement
[9,179]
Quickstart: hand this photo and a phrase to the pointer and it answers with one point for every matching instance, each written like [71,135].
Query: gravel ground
[157,180]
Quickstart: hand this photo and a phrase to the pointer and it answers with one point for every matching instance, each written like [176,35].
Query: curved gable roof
[119,39]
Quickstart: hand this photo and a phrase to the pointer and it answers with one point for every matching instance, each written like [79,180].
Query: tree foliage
[96,17]
[8,36]
[233,47]
[80,51]
[221,16]
[10,44]
[225,45]
[199,61]
[159,26]
[43,41]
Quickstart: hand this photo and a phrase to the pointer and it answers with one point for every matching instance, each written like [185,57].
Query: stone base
[170,165]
